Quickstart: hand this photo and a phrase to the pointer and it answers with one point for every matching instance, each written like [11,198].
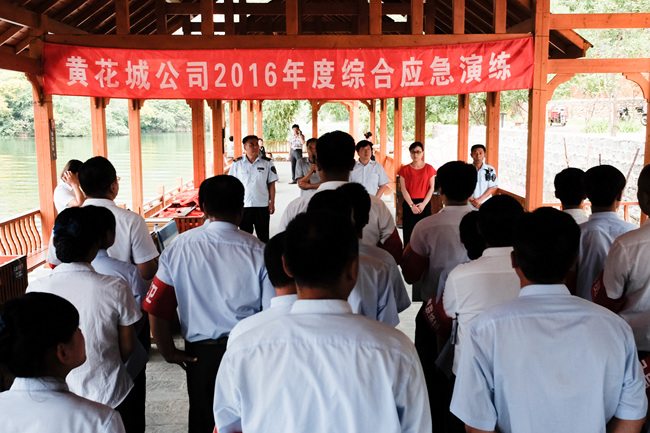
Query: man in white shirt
[133,242]
[571,193]
[285,289]
[369,173]
[333,371]
[486,179]
[296,141]
[604,187]
[528,361]
[335,160]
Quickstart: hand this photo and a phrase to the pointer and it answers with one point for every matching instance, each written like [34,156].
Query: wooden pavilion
[275,24]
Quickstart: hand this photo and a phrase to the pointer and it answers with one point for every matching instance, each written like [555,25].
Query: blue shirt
[256,177]
[219,278]
[548,361]
[596,238]
[321,369]
[371,176]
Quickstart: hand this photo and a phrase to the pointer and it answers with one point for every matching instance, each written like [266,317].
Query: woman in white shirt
[68,193]
[40,342]
[107,311]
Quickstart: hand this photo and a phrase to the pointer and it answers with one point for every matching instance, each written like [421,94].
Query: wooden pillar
[463,127]
[417,17]
[537,110]
[207,20]
[420,118]
[383,131]
[250,117]
[646,156]
[374,24]
[292,17]
[236,127]
[315,108]
[45,138]
[161,17]
[98,125]
[373,120]
[135,146]
[217,136]
[198,140]
[260,119]
[397,135]
[458,16]
[354,120]
[122,17]
[492,117]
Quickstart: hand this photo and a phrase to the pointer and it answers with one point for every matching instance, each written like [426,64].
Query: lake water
[165,157]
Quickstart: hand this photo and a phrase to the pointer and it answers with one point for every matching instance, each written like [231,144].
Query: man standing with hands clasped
[295,141]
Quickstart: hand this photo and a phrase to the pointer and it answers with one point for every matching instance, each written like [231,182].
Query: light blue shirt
[373,296]
[303,166]
[321,369]
[548,361]
[219,277]
[280,306]
[256,177]
[104,264]
[596,238]
[486,177]
[371,176]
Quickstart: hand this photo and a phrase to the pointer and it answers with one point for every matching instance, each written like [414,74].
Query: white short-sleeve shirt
[548,361]
[373,295]
[104,303]
[473,287]
[333,371]
[280,306]
[371,176]
[627,273]
[133,241]
[437,237]
[45,405]
[402,299]
[485,178]
[380,221]
[255,177]
[63,194]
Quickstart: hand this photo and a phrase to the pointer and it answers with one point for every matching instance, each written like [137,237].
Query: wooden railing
[163,199]
[21,235]
[277,147]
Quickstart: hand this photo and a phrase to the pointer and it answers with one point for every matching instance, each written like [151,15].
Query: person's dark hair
[470,236]
[96,176]
[368,135]
[273,252]
[457,180]
[105,221]
[249,137]
[568,186]
[335,152]
[363,143]
[333,201]
[416,144]
[311,140]
[497,218]
[32,327]
[360,200]
[477,146]
[76,232]
[318,247]
[603,184]
[295,125]
[72,166]
[221,195]
[546,245]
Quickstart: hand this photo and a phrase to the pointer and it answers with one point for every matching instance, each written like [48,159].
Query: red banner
[288,73]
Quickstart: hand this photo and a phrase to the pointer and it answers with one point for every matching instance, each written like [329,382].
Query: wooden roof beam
[13,62]
[161,17]
[599,21]
[597,66]
[22,17]
[198,42]
[9,33]
[45,6]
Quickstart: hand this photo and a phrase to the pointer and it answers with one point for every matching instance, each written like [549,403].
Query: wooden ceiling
[24,21]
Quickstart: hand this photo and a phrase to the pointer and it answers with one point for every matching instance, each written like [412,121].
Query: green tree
[279,116]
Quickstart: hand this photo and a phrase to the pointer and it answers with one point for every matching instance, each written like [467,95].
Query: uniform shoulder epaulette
[237,159]
[266,158]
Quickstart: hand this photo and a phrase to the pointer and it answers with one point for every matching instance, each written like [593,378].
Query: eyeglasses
[416,152]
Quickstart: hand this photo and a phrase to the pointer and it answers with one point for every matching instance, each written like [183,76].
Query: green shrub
[597,126]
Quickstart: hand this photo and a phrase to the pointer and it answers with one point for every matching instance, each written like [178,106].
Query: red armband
[161,300]
[599,296]
[436,317]
[393,245]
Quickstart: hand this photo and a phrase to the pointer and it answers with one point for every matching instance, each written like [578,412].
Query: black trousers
[132,407]
[409,219]
[294,156]
[201,376]
[258,218]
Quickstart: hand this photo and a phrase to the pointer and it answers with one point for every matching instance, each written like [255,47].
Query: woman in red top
[416,181]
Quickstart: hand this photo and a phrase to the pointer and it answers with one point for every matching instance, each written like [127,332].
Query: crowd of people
[529,321]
